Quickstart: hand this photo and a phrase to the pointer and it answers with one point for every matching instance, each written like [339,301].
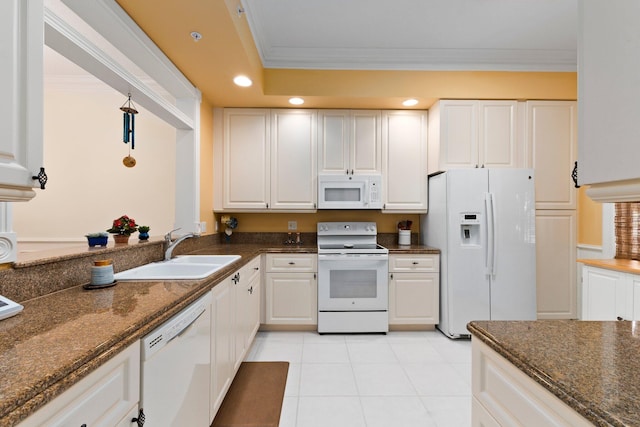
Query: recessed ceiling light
[243,81]
[196,35]
[296,101]
[410,102]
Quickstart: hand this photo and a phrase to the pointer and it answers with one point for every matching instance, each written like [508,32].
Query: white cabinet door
[414,298]
[103,398]
[608,294]
[246,150]
[458,136]
[608,92]
[556,264]
[472,134]
[291,299]
[221,344]
[21,103]
[498,144]
[293,159]
[552,151]
[365,149]
[404,161]
[349,142]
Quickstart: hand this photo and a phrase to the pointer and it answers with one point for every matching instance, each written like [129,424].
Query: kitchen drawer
[291,263]
[414,262]
[103,398]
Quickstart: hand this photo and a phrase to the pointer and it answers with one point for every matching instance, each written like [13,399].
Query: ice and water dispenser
[470,229]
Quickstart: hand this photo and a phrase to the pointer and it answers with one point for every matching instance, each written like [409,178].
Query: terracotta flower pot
[121,238]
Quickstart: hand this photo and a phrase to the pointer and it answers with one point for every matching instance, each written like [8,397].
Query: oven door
[353,282]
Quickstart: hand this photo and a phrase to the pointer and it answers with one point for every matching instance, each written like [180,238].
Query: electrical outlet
[293,225]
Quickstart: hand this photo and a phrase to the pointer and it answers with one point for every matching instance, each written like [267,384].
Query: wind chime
[129,127]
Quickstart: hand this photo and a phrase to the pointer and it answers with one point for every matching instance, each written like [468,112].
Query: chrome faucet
[171,245]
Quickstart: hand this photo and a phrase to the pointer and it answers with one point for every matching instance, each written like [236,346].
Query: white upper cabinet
[551,148]
[293,159]
[246,148]
[21,104]
[404,161]
[349,142]
[471,134]
[269,159]
[608,92]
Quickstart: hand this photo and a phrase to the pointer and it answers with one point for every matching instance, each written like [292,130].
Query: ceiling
[357,53]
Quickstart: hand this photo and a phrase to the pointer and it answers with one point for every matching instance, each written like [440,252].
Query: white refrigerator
[483,222]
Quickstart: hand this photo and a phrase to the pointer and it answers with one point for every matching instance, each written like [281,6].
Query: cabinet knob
[41,177]
[415,263]
[140,419]
[250,290]
[619,318]
[292,263]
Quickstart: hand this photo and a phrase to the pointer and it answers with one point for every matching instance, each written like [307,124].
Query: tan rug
[255,396]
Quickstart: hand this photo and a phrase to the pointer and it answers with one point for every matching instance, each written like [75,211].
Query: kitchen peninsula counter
[593,367]
[625,265]
[61,337]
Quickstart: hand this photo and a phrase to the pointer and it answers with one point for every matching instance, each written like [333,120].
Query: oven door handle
[353,257]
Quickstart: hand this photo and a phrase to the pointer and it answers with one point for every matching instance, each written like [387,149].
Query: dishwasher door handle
[183,330]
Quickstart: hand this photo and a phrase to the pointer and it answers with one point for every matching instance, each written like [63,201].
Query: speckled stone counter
[62,336]
[594,367]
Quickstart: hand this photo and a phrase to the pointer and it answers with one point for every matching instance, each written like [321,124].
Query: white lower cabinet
[505,396]
[609,295]
[291,296]
[106,397]
[414,289]
[235,320]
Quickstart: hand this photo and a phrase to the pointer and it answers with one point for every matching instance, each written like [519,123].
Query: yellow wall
[589,220]
[206,162]
[278,222]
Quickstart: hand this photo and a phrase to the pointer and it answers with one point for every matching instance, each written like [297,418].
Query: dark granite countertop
[61,337]
[591,366]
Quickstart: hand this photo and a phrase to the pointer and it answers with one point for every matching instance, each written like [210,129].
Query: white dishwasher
[175,363]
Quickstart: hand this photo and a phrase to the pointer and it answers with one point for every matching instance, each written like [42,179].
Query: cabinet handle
[267,205]
[256,268]
[574,175]
[41,177]
[619,318]
[292,263]
[415,263]
[140,419]
[391,276]
[250,290]
[83,425]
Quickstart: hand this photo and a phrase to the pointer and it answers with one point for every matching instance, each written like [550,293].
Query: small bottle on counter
[298,240]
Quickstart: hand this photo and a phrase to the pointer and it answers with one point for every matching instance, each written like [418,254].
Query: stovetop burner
[349,237]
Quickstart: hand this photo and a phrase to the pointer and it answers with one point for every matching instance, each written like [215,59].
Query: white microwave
[349,191]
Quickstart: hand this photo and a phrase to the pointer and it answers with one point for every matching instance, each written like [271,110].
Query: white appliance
[176,369]
[483,222]
[349,191]
[353,282]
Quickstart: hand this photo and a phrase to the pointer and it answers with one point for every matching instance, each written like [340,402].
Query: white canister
[404,237]
[102,273]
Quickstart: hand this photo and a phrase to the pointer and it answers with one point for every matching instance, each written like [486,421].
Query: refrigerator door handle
[488,205]
[494,228]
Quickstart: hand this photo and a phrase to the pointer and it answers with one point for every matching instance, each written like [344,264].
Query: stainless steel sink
[188,267]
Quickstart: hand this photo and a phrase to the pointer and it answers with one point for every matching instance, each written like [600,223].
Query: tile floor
[402,379]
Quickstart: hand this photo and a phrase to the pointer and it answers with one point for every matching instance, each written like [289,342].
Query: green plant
[123,225]
[144,229]
[98,234]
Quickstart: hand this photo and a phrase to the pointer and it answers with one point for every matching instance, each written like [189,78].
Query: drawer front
[426,263]
[103,398]
[291,263]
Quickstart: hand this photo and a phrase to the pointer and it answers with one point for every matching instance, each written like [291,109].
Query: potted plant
[143,232]
[122,228]
[97,239]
